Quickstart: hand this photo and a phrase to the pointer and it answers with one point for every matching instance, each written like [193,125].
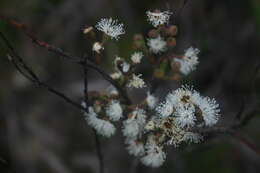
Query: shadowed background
[41,133]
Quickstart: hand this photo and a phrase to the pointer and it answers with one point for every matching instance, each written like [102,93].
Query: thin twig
[97,141]
[99,153]
[28,73]
[67,56]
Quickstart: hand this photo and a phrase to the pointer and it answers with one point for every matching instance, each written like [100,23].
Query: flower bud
[175,65]
[172,30]
[171,42]
[153,33]
[138,41]
[87,30]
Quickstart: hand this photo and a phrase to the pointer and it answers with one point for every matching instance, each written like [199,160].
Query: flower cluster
[172,125]
[150,126]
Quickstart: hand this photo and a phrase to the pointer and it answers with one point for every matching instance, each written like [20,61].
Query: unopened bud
[87,30]
[158,73]
[175,66]
[172,30]
[171,42]
[138,41]
[153,33]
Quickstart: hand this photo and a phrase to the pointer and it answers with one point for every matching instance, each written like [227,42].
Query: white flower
[114,110]
[116,75]
[136,57]
[191,52]
[182,95]
[130,128]
[165,109]
[97,47]
[134,125]
[136,82]
[151,100]
[185,115]
[135,148]
[189,62]
[185,95]
[154,157]
[110,27]
[158,18]
[209,109]
[103,127]
[157,45]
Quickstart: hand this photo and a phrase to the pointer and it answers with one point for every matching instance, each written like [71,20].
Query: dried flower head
[158,18]
[111,27]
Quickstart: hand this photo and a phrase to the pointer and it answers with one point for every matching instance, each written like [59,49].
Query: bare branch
[28,73]
[67,56]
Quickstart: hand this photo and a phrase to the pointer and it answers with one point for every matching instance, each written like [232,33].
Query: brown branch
[67,56]
[28,73]
[247,143]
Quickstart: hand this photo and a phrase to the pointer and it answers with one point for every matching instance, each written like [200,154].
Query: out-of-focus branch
[67,56]
[28,73]
[86,99]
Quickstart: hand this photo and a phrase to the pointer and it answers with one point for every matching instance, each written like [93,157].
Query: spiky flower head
[136,82]
[137,57]
[158,18]
[111,27]
[151,100]
[133,126]
[154,157]
[135,148]
[114,110]
[103,127]
[190,61]
[157,45]
[189,108]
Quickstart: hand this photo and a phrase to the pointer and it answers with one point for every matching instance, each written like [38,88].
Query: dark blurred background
[41,133]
